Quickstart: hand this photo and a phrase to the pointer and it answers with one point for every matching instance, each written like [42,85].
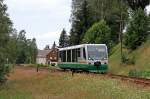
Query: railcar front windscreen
[97,52]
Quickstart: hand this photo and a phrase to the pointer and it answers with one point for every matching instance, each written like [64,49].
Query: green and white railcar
[86,57]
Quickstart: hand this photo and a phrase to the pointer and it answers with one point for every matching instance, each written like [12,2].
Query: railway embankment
[135,63]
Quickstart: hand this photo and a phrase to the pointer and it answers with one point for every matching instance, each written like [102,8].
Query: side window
[74,55]
[68,55]
[64,56]
[61,55]
[84,53]
[78,52]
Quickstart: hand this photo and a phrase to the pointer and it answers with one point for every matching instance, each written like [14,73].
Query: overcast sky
[42,19]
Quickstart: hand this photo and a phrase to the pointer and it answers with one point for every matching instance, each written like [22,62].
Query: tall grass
[63,86]
[140,57]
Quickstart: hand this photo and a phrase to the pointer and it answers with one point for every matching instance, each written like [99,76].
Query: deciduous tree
[99,33]
[5,30]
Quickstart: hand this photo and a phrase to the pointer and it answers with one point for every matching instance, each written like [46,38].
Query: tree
[47,47]
[34,51]
[135,4]
[110,11]
[63,40]
[137,30]
[26,49]
[21,47]
[99,33]
[87,12]
[11,48]
[5,30]
[54,45]
[31,51]
[81,20]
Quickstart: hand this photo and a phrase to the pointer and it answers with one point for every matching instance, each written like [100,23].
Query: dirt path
[26,72]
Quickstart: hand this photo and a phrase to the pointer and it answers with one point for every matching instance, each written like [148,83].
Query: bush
[139,74]
[4,70]
[127,60]
[42,65]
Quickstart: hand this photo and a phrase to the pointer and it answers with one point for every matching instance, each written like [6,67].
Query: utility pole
[102,11]
[121,34]
[121,28]
[121,38]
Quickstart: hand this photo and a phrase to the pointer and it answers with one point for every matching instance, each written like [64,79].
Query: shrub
[127,60]
[4,70]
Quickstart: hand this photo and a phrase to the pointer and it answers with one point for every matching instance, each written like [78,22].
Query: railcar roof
[78,46]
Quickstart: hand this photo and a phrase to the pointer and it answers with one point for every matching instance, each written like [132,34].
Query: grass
[141,56]
[27,84]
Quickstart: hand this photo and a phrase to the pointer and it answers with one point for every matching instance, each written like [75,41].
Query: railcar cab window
[97,52]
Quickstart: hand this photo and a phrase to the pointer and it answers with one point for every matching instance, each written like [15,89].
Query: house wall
[53,56]
[41,61]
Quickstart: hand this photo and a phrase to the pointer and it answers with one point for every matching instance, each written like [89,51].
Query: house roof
[43,53]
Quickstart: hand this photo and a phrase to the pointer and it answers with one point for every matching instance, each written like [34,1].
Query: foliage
[117,16]
[139,74]
[54,45]
[128,60]
[26,49]
[98,33]
[4,70]
[137,30]
[87,12]
[47,47]
[5,31]
[64,39]
[140,57]
[135,4]
[13,47]
[81,20]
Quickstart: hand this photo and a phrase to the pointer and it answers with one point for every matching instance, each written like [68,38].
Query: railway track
[140,81]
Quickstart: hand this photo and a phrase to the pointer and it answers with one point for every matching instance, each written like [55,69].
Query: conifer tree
[135,4]
[137,30]
[81,20]
[63,40]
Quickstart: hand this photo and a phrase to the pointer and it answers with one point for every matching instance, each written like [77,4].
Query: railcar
[86,57]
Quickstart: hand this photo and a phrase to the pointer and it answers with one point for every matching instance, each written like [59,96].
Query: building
[41,57]
[48,56]
[52,57]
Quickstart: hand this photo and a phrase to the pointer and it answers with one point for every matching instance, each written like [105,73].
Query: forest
[15,48]
[109,22]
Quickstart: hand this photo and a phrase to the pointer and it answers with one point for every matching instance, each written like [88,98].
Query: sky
[42,19]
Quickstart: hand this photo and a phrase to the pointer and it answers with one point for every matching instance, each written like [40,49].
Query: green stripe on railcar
[87,67]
